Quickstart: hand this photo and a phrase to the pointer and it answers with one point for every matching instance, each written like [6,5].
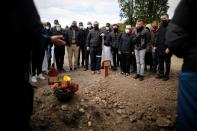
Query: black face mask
[115,29]
[139,29]
[96,27]
[164,22]
[74,25]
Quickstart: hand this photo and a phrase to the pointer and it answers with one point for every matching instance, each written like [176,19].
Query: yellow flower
[67,78]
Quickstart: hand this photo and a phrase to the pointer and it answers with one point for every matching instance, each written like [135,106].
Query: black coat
[126,44]
[114,39]
[181,36]
[25,24]
[82,38]
[106,37]
[140,39]
[160,42]
[87,30]
[94,38]
[55,32]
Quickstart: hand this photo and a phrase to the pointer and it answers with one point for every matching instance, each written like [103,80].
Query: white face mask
[89,26]
[127,31]
[58,28]
[47,27]
[107,28]
[80,27]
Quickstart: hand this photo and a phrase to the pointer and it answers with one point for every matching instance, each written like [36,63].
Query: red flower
[77,88]
[54,86]
[63,86]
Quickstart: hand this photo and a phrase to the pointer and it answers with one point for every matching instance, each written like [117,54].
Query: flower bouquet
[65,89]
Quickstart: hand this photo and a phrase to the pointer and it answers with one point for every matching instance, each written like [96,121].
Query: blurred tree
[148,10]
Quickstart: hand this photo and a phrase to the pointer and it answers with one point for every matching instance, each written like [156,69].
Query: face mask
[115,29]
[80,27]
[89,26]
[127,31]
[58,28]
[165,22]
[139,28]
[96,27]
[47,28]
[74,25]
[107,28]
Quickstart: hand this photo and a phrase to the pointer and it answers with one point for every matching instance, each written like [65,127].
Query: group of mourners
[42,46]
[133,51]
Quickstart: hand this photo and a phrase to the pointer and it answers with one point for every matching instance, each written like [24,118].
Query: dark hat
[107,24]
[80,23]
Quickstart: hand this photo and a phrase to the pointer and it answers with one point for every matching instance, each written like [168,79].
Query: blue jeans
[187,102]
[140,61]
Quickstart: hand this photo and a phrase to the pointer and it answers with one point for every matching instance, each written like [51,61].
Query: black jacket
[114,39]
[55,32]
[69,35]
[24,22]
[160,42]
[87,30]
[106,37]
[126,44]
[94,38]
[181,36]
[82,38]
[140,39]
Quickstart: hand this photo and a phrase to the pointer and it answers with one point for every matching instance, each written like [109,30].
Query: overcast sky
[84,10]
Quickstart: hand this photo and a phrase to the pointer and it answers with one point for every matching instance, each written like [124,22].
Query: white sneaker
[40,76]
[33,79]
[93,72]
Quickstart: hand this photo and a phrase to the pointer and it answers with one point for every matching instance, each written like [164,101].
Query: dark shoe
[165,78]
[154,71]
[71,68]
[114,68]
[75,68]
[63,71]
[141,78]
[126,74]
[159,76]
[136,76]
